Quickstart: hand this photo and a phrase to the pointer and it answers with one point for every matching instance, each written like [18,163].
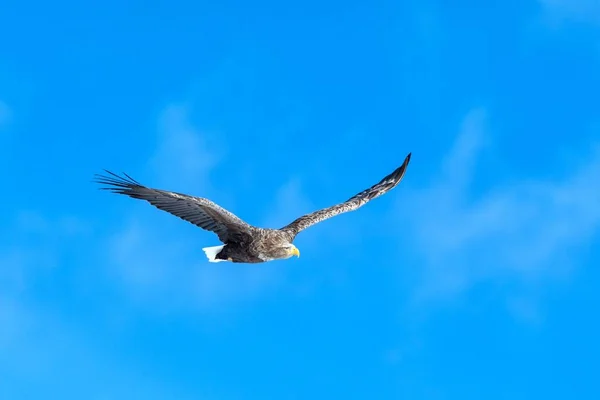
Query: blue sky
[475,278]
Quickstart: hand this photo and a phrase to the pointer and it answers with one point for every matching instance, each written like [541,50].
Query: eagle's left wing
[197,210]
[353,203]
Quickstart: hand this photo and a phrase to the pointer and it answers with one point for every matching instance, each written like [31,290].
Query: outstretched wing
[199,211]
[353,203]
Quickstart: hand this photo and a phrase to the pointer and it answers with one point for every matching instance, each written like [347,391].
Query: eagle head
[291,250]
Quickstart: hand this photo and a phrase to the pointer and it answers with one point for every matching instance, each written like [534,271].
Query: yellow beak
[296,252]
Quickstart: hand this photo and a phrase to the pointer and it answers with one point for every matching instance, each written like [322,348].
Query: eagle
[242,242]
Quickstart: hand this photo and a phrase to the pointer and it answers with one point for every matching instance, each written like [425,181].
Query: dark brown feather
[196,210]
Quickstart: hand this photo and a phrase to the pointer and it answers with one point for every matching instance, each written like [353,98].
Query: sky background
[477,277]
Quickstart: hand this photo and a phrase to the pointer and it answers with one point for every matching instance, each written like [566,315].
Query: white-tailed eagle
[243,243]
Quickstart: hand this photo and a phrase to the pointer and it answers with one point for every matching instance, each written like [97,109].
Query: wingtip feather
[114,181]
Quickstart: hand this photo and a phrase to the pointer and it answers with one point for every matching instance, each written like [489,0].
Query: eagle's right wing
[353,203]
[197,210]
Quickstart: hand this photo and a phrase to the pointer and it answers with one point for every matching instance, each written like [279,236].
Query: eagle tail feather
[211,253]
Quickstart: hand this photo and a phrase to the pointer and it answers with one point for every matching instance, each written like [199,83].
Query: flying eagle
[243,243]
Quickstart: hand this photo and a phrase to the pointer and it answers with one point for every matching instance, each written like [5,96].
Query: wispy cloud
[5,114]
[289,202]
[183,154]
[35,339]
[557,11]
[38,338]
[164,266]
[30,252]
[34,343]
[521,233]
[172,272]
[32,247]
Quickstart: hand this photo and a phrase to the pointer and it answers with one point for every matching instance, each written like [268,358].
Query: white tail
[211,253]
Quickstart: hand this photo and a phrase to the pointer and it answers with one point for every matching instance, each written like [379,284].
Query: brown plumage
[243,243]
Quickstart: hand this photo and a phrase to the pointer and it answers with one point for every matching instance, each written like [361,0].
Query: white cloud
[183,155]
[165,266]
[170,271]
[157,259]
[33,247]
[12,319]
[521,233]
[31,251]
[34,340]
[288,204]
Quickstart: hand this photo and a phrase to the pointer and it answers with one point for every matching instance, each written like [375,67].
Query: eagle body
[242,242]
[260,246]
